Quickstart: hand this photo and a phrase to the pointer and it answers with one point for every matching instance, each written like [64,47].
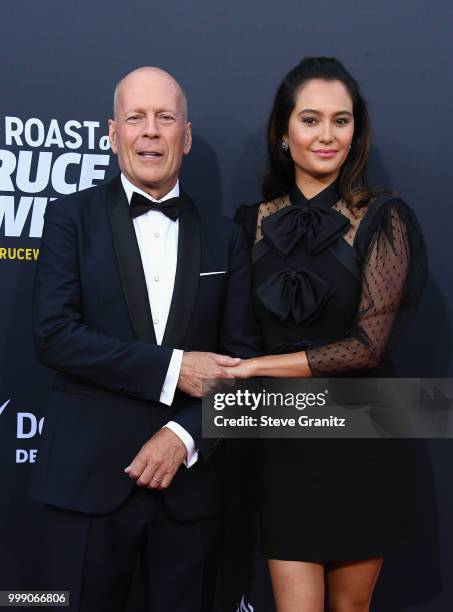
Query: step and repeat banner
[61,62]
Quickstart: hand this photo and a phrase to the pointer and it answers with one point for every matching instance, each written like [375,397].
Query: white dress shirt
[157,238]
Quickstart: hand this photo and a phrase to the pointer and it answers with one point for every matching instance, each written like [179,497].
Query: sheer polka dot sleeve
[386,266]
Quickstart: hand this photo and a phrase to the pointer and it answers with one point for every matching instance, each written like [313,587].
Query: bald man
[137,298]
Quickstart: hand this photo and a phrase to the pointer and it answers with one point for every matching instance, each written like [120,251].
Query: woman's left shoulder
[384,212]
[385,202]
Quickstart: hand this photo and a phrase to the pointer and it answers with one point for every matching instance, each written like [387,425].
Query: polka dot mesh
[266,209]
[353,216]
[384,275]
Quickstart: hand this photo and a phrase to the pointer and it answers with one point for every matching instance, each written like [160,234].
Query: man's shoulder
[218,226]
[91,193]
[212,221]
[219,221]
[78,202]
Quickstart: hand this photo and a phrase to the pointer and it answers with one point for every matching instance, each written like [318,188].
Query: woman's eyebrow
[312,110]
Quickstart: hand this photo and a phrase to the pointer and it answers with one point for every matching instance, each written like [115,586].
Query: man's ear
[187,138]
[112,135]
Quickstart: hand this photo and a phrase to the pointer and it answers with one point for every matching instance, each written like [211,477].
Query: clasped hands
[157,462]
[200,370]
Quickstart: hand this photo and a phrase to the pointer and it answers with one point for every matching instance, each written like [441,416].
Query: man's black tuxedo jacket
[93,325]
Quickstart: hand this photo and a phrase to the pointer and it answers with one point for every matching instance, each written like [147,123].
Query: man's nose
[150,127]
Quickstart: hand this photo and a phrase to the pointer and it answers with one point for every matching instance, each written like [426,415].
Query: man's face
[150,133]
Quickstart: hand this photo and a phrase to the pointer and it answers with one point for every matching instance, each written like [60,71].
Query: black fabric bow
[299,294]
[317,225]
[141,205]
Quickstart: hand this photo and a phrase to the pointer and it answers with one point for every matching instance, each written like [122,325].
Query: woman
[336,270]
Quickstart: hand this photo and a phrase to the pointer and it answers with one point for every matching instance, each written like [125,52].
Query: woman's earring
[284,145]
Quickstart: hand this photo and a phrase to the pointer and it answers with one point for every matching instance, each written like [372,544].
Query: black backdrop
[60,61]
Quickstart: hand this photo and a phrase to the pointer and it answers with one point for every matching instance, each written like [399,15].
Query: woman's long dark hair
[280,174]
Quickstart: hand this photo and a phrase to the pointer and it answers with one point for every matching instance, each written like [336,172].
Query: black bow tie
[141,205]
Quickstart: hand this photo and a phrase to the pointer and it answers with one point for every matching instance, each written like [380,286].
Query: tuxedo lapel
[187,274]
[129,262]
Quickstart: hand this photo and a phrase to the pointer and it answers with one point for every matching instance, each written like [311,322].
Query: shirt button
[156,321]
[157,235]
[156,278]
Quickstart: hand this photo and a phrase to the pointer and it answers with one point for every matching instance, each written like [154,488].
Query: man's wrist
[186,440]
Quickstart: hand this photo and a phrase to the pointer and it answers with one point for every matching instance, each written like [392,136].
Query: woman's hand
[244,369]
[291,365]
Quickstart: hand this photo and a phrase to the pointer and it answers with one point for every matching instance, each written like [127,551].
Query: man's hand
[196,367]
[158,460]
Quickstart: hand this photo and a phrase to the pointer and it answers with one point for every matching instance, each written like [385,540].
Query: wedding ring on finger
[156,479]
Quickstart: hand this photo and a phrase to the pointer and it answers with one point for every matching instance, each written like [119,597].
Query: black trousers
[95,557]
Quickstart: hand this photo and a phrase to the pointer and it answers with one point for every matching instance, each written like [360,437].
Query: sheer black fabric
[393,276]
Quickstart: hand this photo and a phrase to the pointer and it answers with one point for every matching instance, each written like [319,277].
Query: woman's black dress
[338,284]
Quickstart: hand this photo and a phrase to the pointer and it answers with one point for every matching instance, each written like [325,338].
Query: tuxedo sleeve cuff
[171,380]
[188,441]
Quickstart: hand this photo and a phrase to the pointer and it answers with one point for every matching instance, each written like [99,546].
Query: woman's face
[320,129]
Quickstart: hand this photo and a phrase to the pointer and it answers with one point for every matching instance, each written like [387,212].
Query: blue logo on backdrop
[28,426]
[3,406]
[244,606]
